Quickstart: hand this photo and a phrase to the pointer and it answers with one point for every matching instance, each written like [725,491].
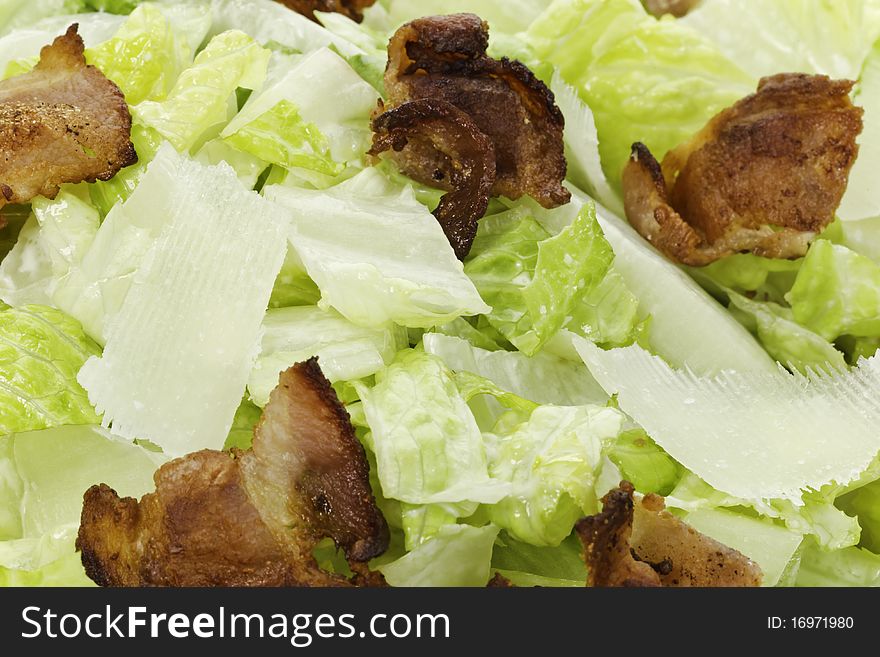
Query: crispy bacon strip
[63,122]
[464,158]
[635,543]
[444,58]
[247,518]
[353,9]
[764,176]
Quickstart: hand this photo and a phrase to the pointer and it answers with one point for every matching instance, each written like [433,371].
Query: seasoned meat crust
[764,176]
[434,129]
[353,9]
[444,58]
[63,122]
[635,543]
[246,518]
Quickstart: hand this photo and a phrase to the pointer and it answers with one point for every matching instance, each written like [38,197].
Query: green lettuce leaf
[848,567]
[42,351]
[346,351]
[552,462]
[787,341]
[538,284]
[459,555]
[297,122]
[529,565]
[428,446]
[54,240]
[837,292]
[645,80]
[805,36]
[44,476]
[377,254]
[145,56]
[502,15]
[199,100]
[643,463]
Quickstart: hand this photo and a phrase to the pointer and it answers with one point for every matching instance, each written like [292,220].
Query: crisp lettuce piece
[53,241]
[645,80]
[422,522]
[458,555]
[42,351]
[144,57]
[848,567]
[428,446]
[529,565]
[199,100]
[806,36]
[345,351]
[837,292]
[864,503]
[181,347]
[241,434]
[15,14]
[377,254]
[543,378]
[764,279]
[293,287]
[776,450]
[536,283]
[51,469]
[297,122]
[552,462]
[787,341]
[642,462]
[65,571]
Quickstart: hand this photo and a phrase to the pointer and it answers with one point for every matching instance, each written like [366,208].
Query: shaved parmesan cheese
[754,435]
[180,349]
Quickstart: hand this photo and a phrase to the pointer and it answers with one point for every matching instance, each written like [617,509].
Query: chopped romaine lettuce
[552,462]
[428,446]
[837,292]
[42,351]
[645,80]
[44,476]
[298,122]
[377,254]
[458,555]
[345,351]
[199,100]
[528,565]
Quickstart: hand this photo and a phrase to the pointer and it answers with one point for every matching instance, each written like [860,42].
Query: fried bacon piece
[677,8]
[443,59]
[634,543]
[353,9]
[764,176]
[434,130]
[247,518]
[63,122]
